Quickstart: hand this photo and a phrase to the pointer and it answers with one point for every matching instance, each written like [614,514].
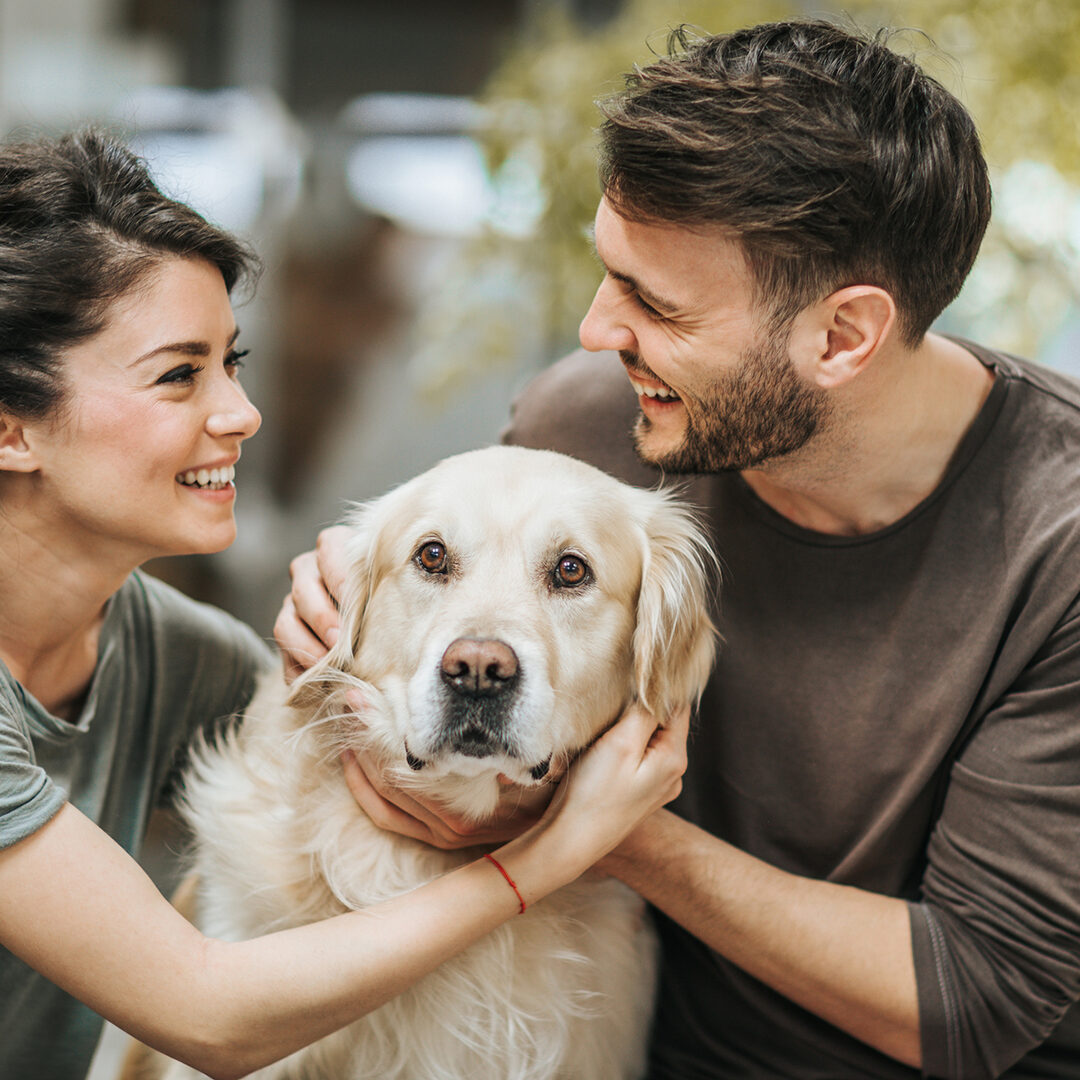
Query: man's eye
[185,373]
[570,572]
[648,308]
[432,557]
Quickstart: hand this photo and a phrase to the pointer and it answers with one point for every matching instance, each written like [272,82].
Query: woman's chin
[209,542]
[216,544]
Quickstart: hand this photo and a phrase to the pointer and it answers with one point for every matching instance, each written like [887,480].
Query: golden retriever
[500,611]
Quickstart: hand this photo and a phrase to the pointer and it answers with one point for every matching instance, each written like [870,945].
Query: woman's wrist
[545,858]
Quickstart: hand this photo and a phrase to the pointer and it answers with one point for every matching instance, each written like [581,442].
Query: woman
[121,421]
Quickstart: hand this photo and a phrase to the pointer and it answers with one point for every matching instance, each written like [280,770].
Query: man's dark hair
[834,160]
[82,224]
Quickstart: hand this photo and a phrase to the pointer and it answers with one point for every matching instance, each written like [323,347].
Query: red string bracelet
[509,880]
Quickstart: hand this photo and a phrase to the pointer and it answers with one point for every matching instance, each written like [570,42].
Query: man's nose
[603,326]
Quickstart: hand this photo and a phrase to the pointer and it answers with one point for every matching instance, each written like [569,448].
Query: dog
[500,611]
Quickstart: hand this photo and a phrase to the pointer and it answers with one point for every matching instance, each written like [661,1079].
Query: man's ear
[845,331]
[16,453]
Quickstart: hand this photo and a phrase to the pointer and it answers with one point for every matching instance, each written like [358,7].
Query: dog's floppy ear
[325,676]
[674,640]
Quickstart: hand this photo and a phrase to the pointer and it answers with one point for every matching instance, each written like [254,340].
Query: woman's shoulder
[28,798]
[176,626]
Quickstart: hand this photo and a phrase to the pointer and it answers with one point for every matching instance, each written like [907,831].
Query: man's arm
[842,953]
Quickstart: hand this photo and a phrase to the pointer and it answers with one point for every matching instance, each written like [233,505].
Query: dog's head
[502,608]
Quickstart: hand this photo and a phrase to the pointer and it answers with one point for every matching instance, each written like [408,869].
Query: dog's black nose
[479,668]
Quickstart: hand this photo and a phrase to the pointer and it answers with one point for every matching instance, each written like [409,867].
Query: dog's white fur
[566,989]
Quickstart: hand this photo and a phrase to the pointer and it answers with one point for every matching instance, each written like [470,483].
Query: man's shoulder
[1048,387]
[583,406]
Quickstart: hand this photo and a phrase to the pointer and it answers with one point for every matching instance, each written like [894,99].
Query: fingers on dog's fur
[675,640]
[311,689]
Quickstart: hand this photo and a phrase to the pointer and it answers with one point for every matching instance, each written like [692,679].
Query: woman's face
[153,413]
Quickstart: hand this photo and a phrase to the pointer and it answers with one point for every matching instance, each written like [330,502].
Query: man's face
[716,391]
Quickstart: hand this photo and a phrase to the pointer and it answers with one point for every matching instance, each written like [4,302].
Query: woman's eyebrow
[185,348]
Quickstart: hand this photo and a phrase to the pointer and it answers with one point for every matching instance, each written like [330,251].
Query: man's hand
[398,811]
[308,624]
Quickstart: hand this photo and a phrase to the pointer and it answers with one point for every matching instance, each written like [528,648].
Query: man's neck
[886,447]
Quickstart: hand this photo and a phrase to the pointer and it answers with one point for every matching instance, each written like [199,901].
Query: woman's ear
[16,453]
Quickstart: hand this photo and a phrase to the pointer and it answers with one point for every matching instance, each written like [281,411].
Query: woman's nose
[233,413]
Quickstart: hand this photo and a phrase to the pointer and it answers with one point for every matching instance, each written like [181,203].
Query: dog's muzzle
[480,678]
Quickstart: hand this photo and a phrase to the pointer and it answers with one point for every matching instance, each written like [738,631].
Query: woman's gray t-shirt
[167,666]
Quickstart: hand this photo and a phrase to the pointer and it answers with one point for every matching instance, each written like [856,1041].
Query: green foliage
[544,98]
[1015,65]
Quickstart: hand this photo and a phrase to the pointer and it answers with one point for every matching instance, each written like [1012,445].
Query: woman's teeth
[665,393]
[214,479]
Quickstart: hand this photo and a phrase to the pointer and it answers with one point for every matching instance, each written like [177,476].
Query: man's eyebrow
[647,295]
[186,348]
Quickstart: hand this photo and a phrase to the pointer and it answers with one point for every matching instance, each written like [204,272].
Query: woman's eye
[570,571]
[432,558]
[235,359]
[185,373]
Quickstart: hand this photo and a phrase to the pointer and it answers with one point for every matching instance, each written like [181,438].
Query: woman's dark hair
[833,160]
[81,224]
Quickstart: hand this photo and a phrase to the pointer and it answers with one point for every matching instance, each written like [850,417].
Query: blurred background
[418,178]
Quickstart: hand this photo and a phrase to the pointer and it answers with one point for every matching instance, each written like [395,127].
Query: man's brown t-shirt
[899,712]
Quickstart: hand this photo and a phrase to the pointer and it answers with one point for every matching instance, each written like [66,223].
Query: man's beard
[760,411]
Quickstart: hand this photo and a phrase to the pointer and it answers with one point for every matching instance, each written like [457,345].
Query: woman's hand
[631,771]
[408,814]
[308,624]
[640,762]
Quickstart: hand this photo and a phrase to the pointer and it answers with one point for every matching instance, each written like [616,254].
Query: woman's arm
[77,908]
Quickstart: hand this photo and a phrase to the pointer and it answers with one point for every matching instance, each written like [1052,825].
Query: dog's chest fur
[563,990]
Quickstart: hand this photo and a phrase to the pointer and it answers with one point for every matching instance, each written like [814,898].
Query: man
[874,868]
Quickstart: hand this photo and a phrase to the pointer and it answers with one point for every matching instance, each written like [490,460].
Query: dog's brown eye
[432,558]
[571,571]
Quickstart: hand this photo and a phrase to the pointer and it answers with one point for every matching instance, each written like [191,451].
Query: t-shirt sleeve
[28,798]
[997,932]
[206,666]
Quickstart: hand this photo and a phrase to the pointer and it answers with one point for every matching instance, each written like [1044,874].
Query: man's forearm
[842,953]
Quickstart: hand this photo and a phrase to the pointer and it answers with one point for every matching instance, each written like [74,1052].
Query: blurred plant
[530,276]
[516,300]
[1017,68]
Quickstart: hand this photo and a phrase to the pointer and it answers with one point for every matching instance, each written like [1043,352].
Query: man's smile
[653,390]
